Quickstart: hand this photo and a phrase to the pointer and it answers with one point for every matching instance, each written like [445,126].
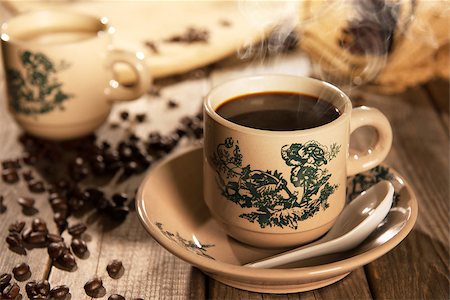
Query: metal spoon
[355,223]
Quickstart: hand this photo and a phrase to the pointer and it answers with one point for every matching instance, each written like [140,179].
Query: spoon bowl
[355,223]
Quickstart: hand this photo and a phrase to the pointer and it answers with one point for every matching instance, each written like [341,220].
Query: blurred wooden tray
[230,27]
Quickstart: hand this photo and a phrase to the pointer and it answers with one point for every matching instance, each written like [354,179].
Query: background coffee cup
[59,67]
[250,174]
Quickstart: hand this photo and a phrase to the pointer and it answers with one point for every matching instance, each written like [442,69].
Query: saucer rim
[250,274]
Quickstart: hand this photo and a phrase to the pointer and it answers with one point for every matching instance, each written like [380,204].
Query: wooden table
[416,269]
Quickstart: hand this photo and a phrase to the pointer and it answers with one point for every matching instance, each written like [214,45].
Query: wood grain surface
[416,269]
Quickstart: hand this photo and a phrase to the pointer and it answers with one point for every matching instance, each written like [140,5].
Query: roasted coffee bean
[36,238]
[2,205]
[131,167]
[5,279]
[116,297]
[42,287]
[14,240]
[60,219]
[28,176]
[120,198]
[124,115]
[93,286]
[39,225]
[172,103]
[36,186]
[26,202]
[77,229]
[79,247]
[56,250]
[30,289]
[26,233]
[141,118]
[67,260]
[11,291]
[59,204]
[29,159]
[54,238]
[10,176]
[114,267]
[16,226]
[21,270]
[59,292]
[119,213]
[11,164]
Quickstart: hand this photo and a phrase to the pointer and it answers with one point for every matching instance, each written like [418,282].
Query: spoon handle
[320,248]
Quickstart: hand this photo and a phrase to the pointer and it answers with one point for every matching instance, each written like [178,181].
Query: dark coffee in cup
[278,111]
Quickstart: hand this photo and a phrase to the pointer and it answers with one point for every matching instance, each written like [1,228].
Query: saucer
[170,206]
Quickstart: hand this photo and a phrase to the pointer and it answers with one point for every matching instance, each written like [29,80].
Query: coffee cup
[276,156]
[60,69]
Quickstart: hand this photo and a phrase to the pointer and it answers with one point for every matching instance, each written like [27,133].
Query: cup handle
[117,91]
[367,116]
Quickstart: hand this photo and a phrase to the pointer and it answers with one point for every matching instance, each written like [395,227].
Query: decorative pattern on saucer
[192,245]
[267,192]
[363,181]
[37,90]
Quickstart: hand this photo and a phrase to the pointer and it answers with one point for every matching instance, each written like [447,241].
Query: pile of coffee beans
[21,237]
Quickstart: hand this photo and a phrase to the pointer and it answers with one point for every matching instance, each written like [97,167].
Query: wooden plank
[150,271]
[418,267]
[439,91]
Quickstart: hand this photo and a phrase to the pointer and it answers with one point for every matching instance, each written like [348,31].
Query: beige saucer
[171,207]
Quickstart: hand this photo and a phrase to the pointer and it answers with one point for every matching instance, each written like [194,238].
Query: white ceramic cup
[59,71]
[283,188]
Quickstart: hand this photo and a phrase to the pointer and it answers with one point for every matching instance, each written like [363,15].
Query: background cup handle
[116,91]
[366,116]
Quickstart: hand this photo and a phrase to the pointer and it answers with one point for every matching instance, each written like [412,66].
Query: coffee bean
[11,164]
[10,176]
[141,118]
[11,291]
[29,159]
[42,287]
[114,268]
[28,176]
[79,247]
[54,238]
[119,213]
[56,249]
[2,205]
[116,297]
[60,219]
[67,260]
[26,233]
[14,240]
[119,199]
[59,292]
[172,103]
[21,270]
[26,202]
[30,289]
[93,286]
[5,279]
[36,238]
[77,229]
[16,226]
[39,225]
[36,186]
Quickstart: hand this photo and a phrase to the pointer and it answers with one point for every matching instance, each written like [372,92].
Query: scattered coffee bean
[141,118]
[120,198]
[39,225]
[29,158]
[77,229]
[5,279]
[42,287]
[16,226]
[79,247]
[26,202]
[10,176]
[114,268]
[116,297]
[14,240]
[93,286]
[67,260]
[36,186]
[2,205]
[60,219]
[11,291]
[30,289]
[54,238]
[119,213]
[56,249]
[172,103]
[36,238]
[124,115]
[11,164]
[21,270]
[59,292]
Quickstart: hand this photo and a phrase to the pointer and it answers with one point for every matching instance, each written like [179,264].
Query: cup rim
[45,14]
[209,109]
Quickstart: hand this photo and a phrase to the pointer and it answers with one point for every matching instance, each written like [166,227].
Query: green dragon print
[193,246]
[38,90]
[267,192]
